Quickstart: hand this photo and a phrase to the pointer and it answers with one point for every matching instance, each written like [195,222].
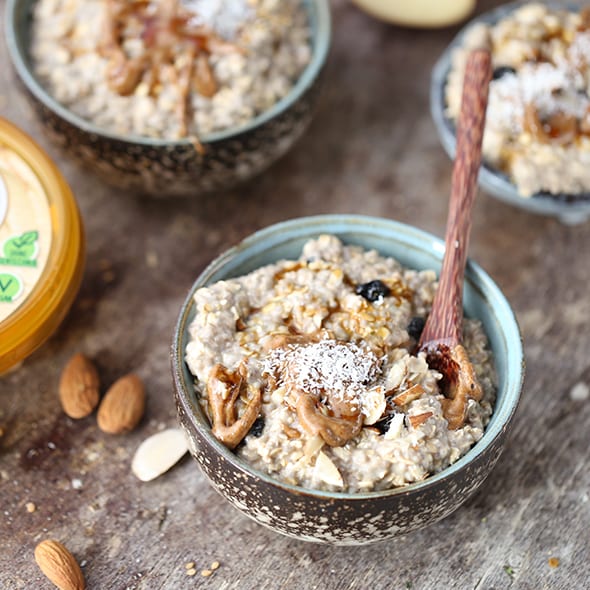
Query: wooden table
[372,149]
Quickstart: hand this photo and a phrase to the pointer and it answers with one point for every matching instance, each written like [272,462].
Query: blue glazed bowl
[174,167]
[336,517]
[569,209]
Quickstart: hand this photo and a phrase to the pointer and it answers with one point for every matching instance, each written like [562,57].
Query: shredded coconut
[340,369]
[225,17]
[579,50]
[550,88]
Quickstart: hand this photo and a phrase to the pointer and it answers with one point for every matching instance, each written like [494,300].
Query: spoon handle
[444,324]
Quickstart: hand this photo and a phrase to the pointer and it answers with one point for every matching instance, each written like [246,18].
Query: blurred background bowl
[347,518]
[569,209]
[173,167]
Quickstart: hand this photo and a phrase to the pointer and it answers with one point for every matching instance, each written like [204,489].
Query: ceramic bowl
[335,517]
[569,209]
[166,167]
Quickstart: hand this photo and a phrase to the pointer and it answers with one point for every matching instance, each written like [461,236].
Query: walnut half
[224,390]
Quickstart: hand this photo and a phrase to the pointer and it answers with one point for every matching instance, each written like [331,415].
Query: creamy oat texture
[261,50]
[359,351]
[538,118]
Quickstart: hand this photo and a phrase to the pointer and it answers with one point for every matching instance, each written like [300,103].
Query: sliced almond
[158,453]
[312,446]
[419,419]
[326,471]
[395,427]
[122,406]
[79,387]
[374,405]
[59,565]
[409,395]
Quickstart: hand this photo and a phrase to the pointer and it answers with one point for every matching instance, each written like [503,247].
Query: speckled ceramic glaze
[162,167]
[570,209]
[343,518]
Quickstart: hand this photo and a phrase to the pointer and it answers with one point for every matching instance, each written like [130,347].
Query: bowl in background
[167,167]
[569,209]
[339,517]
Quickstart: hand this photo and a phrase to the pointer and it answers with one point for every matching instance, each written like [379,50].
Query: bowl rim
[474,273]
[491,180]
[319,10]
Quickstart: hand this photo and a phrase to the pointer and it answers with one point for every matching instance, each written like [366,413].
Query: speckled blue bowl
[165,167]
[569,209]
[345,518]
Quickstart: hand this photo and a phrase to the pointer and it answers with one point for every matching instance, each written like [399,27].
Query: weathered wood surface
[372,149]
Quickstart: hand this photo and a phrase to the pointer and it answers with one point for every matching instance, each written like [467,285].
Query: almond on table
[59,565]
[122,406]
[79,387]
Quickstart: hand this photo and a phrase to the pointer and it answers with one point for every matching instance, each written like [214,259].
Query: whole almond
[59,565]
[79,387]
[122,406]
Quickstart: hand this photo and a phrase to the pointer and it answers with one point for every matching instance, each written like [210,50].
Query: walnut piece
[224,389]
[334,430]
[459,382]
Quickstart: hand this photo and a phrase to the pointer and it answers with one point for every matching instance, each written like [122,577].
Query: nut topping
[224,389]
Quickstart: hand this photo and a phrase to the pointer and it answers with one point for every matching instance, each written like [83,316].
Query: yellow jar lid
[41,246]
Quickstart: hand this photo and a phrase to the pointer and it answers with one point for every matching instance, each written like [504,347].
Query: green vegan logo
[10,287]
[21,250]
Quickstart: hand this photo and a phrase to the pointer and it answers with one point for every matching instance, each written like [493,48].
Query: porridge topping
[225,390]
[334,372]
[171,35]
[319,386]
[326,381]
[543,100]
[169,68]
[373,290]
[459,382]
[538,117]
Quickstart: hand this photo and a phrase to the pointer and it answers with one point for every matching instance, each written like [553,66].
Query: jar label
[25,231]
[11,287]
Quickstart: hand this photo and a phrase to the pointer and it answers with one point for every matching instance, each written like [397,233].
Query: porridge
[538,117]
[309,369]
[169,68]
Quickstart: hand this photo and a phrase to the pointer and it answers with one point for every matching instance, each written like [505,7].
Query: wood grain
[445,321]
[372,149]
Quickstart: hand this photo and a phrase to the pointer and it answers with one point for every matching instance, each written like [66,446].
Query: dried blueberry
[415,327]
[257,427]
[502,71]
[373,290]
[384,424]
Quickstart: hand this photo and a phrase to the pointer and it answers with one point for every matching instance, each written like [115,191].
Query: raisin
[257,427]
[373,290]
[384,424]
[502,71]
[415,327]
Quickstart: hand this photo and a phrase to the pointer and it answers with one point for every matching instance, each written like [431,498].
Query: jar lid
[41,246]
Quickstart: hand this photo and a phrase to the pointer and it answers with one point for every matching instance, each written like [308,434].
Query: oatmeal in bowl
[536,145]
[321,354]
[172,96]
[305,399]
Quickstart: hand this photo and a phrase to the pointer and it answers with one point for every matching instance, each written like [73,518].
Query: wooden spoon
[441,337]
